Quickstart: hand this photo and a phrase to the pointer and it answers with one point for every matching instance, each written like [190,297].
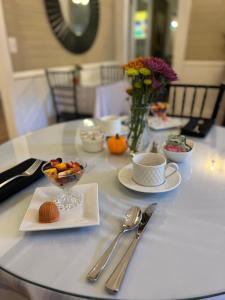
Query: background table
[102,100]
[181,254]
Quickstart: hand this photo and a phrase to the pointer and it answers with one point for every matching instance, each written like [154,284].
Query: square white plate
[171,122]
[80,216]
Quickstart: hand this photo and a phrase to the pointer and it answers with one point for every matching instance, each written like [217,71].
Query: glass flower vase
[139,132]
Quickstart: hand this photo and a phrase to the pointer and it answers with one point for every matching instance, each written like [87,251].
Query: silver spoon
[131,220]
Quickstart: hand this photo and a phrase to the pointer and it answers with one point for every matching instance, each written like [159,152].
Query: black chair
[111,73]
[63,87]
[199,103]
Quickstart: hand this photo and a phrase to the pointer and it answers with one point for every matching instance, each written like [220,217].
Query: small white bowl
[179,157]
[93,145]
[92,139]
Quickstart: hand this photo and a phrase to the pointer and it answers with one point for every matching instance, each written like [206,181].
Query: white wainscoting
[33,107]
[33,104]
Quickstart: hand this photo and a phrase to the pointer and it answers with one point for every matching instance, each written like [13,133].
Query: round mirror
[74,22]
[76,14]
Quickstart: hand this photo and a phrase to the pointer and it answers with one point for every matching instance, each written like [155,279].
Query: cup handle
[174,166]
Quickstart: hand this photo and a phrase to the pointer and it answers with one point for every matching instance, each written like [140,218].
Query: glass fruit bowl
[65,175]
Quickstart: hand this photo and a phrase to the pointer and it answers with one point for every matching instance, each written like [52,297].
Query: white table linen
[103,100]
[86,99]
[111,99]
[12,288]
[181,254]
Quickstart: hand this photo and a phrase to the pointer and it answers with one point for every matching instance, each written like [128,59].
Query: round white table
[180,256]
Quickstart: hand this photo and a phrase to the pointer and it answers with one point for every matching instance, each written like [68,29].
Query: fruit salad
[62,173]
[159,109]
[177,143]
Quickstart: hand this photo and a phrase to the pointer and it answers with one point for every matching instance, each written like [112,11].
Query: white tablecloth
[103,100]
[12,288]
[111,99]
[180,255]
[86,99]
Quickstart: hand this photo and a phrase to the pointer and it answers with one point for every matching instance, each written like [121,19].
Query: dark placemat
[203,127]
[18,184]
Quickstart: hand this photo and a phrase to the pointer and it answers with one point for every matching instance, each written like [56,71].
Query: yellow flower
[147,81]
[138,85]
[145,71]
[132,72]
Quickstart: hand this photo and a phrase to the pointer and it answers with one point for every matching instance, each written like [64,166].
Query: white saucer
[125,178]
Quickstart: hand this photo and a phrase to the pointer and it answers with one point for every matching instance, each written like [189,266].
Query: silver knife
[115,280]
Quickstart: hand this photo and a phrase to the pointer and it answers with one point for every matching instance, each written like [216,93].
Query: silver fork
[30,171]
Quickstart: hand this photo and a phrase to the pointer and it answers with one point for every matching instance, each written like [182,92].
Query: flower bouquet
[149,79]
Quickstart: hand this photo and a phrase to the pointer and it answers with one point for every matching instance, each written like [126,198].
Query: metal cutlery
[30,171]
[115,280]
[131,220]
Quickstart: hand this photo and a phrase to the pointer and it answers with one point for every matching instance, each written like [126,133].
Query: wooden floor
[3,129]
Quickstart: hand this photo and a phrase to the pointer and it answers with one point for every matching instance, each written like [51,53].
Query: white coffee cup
[111,125]
[149,169]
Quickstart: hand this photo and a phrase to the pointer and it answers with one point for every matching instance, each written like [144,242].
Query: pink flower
[156,84]
[158,65]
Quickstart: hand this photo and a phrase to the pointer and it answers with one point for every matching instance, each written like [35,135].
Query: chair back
[198,101]
[62,85]
[111,73]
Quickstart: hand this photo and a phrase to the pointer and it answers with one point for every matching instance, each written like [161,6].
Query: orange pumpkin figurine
[117,144]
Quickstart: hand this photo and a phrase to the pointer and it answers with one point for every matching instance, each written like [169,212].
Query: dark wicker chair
[63,87]
[111,73]
[200,103]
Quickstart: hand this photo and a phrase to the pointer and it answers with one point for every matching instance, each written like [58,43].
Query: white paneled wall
[33,103]
[202,72]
